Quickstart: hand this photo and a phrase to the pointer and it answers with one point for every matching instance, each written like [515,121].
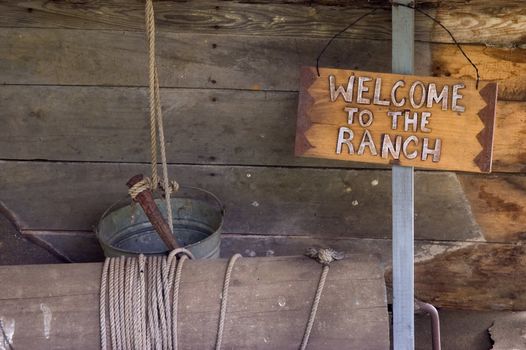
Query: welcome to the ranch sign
[426,122]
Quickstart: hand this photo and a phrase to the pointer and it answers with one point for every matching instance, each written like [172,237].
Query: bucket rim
[114,207]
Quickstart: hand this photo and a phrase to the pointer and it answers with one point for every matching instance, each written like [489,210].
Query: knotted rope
[324,256]
[156,122]
[139,301]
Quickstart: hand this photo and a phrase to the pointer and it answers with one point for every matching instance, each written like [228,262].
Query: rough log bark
[269,304]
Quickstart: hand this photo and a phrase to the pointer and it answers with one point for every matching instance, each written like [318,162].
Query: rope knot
[324,255]
[142,185]
[173,186]
[147,184]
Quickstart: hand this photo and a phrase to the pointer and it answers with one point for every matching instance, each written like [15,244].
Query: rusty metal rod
[147,203]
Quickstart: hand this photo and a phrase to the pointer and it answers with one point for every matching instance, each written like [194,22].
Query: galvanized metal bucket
[197,222]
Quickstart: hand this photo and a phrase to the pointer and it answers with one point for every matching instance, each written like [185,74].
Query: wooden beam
[93,57]
[269,304]
[258,200]
[471,22]
[247,127]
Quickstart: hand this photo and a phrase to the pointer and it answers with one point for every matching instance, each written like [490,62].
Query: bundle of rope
[139,299]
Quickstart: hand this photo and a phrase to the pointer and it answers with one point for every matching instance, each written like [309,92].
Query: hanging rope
[224,300]
[156,118]
[324,257]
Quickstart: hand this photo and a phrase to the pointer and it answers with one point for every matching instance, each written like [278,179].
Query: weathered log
[269,304]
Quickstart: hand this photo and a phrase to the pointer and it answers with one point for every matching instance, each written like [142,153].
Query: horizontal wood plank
[117,58]
[202,127]
[493,23]
[259,200]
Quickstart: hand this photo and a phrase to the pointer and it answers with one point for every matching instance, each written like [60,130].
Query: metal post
[403,196]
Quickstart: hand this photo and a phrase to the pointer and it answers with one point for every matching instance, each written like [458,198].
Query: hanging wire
[337,35]
[413,7]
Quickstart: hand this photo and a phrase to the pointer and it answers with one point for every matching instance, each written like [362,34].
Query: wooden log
[458,275]
[258,200]
[88,57]
[248,128]
[499,205]
[269,304]
[479,276]
[494,23]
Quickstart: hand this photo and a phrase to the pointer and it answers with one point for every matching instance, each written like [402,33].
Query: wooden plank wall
[74,129]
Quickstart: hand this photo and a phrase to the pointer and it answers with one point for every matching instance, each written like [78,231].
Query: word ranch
[385,146]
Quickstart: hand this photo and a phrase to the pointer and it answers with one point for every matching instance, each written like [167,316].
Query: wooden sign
[425,122]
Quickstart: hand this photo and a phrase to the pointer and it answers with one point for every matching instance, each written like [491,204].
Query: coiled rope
[139,301]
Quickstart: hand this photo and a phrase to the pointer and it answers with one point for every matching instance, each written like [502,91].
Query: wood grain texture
[258,200]
[352,312]
[93,57]
[499,205]
[479,276]
[509,153]
[202,127]
[471,22]
[464,139]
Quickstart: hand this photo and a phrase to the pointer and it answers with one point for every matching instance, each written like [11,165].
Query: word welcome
[417,95]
